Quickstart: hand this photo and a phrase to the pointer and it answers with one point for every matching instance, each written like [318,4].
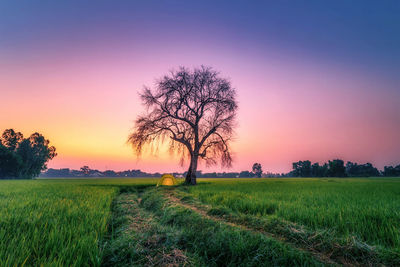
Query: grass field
[368,209]
[55,222]
[246,222]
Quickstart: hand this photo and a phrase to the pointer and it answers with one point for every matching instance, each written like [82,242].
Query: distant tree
[361,170]
[351,168]
[66,172]
[391,171]
[195,112]
[272,175]
[324,170]
[231,175]
[110,173]
[302,168]
[210,175]
[257,170]
[245,174]
[315,170]
[369,170]
[27,157]
[336,168]
[85,170]
[318,170]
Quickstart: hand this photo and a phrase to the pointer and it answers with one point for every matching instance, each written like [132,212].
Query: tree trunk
[191,174]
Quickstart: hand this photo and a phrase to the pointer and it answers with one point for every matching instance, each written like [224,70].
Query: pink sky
[306,90]
[289,110]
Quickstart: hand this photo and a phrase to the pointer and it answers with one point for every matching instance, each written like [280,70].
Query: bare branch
[195,110]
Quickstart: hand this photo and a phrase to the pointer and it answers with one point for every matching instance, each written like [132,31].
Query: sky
[315,80]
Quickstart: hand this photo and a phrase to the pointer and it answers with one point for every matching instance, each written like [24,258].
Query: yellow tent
[167,179]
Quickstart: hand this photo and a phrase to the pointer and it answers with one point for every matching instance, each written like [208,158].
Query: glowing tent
[167,179]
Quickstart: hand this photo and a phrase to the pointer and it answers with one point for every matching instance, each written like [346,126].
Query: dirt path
[325,258]
[141,229]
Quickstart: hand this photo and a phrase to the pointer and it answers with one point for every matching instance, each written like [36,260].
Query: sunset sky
[315,80]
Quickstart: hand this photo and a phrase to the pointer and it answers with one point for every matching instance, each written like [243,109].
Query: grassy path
[204,211]
[136,239]
[169,227]
[147,229]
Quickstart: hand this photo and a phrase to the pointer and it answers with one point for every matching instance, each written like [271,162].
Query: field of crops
[55,222]
[368,209]
[251,222]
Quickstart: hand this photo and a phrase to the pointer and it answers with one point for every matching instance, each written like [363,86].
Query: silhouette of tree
[302,168]
[391,171]
[361,170]
[10,163]
[85,170]
[245,174]
[11,139]
[195,111]
[336,168]
[35,152]
[319,171]
[24,158]
[257,170]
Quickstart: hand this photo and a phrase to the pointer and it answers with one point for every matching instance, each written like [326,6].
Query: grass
[136,238]
[233,222]
[220,244]
[52,223]
[56,222]
[366,208]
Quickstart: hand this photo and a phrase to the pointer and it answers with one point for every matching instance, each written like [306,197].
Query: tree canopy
[24,157]
[194,111]
[257,170]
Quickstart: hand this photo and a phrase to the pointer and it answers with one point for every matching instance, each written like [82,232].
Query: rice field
[368,209]
[55,222]
[252,222]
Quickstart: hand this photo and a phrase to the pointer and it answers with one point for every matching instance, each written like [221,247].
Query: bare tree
[195,112]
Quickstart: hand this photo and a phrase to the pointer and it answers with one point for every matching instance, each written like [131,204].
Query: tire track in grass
[136,238]
[219,244]
[203,211]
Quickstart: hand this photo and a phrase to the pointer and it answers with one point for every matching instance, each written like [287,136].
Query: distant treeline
[85,171]
[333,168]
[27,158]
[337,168]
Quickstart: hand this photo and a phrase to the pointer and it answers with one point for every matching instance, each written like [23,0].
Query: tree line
[27,158]
[86,171]
[333,168]
[23,157]
[337,168]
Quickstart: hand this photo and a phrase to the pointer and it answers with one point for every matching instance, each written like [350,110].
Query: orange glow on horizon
[289,110]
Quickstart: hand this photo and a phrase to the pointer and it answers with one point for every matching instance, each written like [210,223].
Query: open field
[368,209]
[58,222]
[248,222]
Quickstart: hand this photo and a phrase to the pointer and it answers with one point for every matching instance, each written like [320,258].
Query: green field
[246,222]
